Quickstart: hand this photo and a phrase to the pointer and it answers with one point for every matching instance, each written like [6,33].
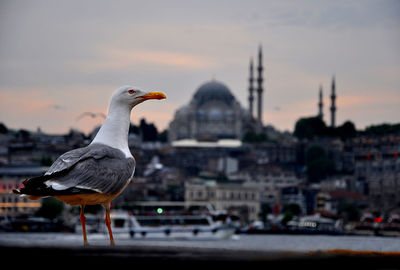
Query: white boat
[179,227]
[170,220]
[315,224]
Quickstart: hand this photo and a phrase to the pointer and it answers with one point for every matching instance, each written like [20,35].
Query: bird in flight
[99,172]
[91,114]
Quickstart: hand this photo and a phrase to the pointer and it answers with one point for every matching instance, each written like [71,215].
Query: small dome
[213,91]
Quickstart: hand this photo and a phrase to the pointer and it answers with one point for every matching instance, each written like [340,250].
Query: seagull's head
[132,96]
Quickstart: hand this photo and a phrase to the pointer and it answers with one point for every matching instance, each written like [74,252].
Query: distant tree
[331,132]
[252,137]
[51,208]
[23,134]
[314,153]
[149,131]
[346,130]
[290,211]
[309,127]
[349,212]
[265,210]
[93,209]
[134,129]
[318,164]
[293,208]
[3,129]
[382,129]
[46,161]
[163,136]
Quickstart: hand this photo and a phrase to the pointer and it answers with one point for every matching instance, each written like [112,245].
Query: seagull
[99,172]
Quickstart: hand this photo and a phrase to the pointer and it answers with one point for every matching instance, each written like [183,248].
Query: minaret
[259,86]
[333,106]
[251,89]
[320,104]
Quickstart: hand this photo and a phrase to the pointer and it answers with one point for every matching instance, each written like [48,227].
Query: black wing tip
[16,191]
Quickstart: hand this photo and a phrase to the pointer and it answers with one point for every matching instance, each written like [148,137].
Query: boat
[314,224]
[365,226]
[179,227]
[170,220]
[392,226]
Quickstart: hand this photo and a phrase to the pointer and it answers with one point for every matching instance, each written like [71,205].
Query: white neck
[115,129]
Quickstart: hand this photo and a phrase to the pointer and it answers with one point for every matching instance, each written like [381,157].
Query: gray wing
[106,175]
[97,168]
[70,158]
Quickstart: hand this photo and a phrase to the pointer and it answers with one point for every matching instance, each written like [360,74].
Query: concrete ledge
[57,257]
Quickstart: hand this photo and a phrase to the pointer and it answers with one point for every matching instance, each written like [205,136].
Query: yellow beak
[154,95]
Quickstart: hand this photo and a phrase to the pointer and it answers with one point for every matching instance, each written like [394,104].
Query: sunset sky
[59,59]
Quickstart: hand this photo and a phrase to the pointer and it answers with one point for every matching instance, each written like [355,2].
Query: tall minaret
[259,86]
[251,89]
[320,104]
[333,106]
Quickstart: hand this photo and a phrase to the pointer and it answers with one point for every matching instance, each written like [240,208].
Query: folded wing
[95,168]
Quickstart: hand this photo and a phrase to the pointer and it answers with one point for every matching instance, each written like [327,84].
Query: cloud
[30,108]
[26,109]
[24,103]
[363,110]
[117,59]
[367,101]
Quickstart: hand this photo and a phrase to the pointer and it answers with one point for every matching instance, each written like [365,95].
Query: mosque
[214,113]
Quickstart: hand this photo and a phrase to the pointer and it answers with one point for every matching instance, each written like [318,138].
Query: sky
[59,59]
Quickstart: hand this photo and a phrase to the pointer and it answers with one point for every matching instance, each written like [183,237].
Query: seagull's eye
[131,91]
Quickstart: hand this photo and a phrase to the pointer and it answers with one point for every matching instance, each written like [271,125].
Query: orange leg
[108,223]
[83,222]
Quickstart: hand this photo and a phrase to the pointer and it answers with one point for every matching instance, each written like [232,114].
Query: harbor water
[298,243]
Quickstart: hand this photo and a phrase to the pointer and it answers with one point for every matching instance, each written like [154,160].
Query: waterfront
[296,243]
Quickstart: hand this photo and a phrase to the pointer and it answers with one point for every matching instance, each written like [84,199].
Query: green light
[159,210]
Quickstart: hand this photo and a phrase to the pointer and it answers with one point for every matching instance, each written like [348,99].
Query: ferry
[171,220]
[179,227]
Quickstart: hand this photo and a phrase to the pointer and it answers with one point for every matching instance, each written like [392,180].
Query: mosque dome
[213,90]
[213,113]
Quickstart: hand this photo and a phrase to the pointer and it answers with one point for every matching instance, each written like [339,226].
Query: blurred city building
[10,178]
[236,198]
[377,166]
[220,153]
